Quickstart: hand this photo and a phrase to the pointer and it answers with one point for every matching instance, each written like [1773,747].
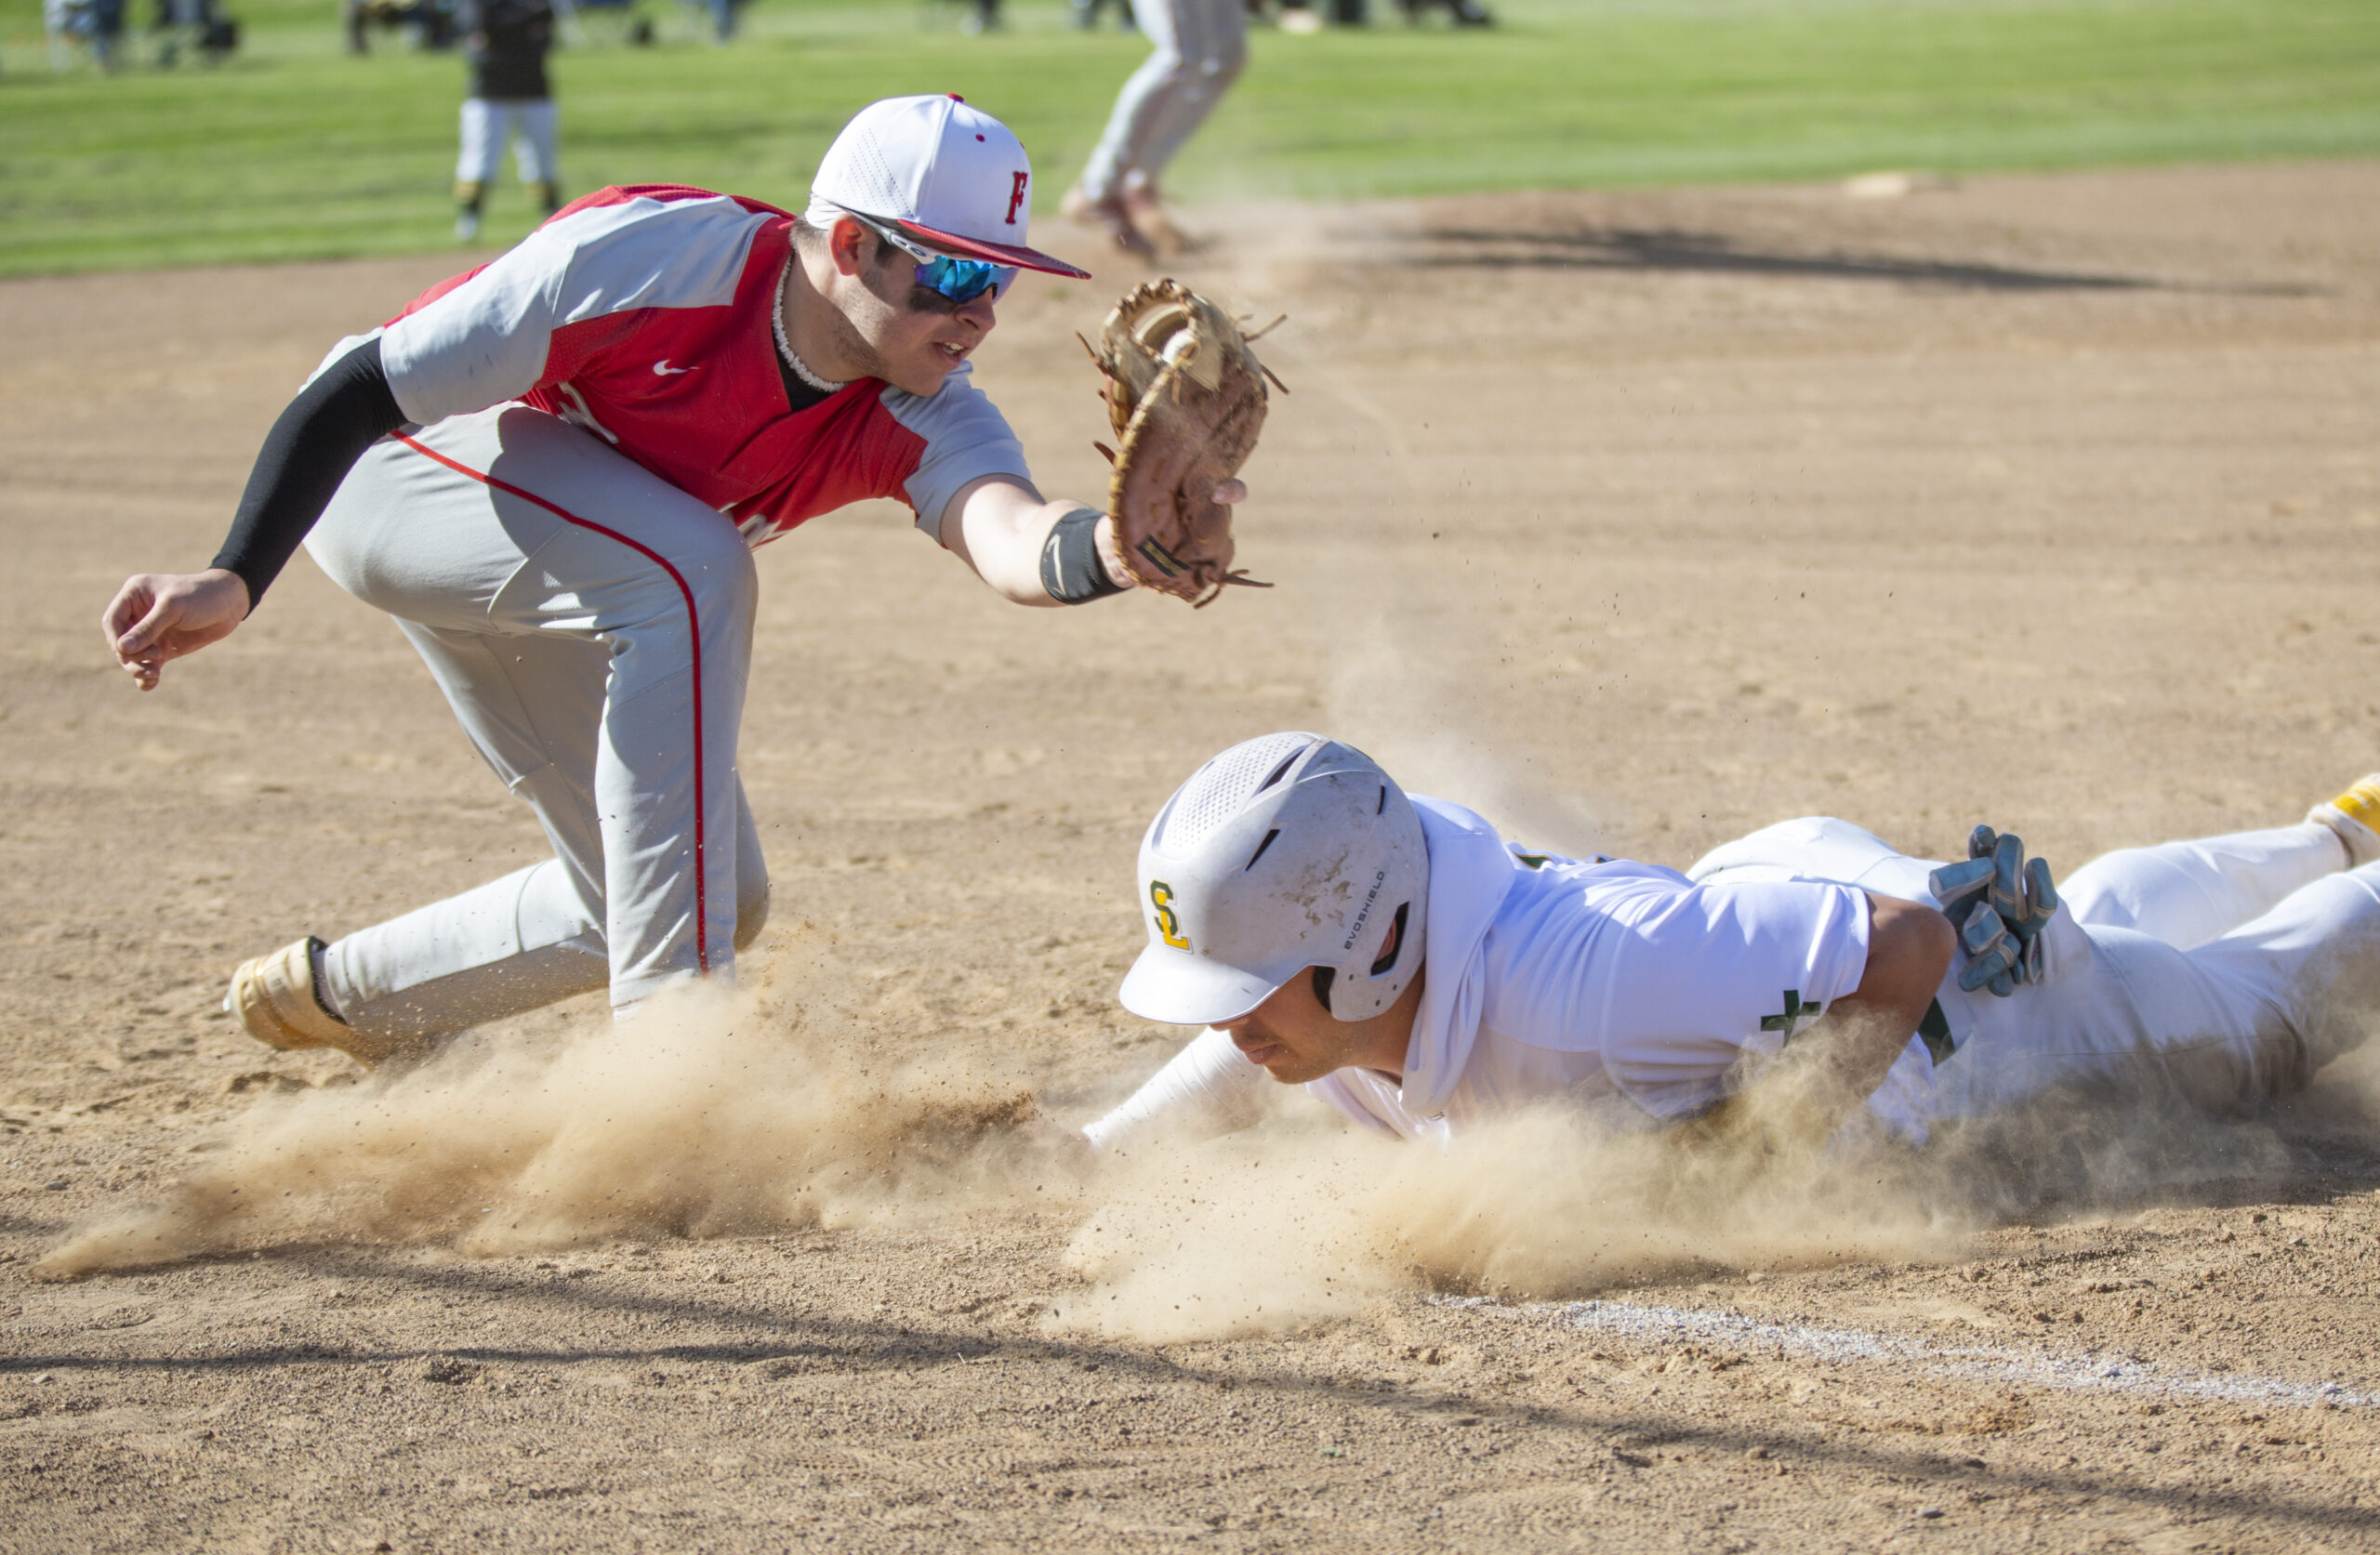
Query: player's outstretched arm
[1036,551]
[342,412]
[157,616]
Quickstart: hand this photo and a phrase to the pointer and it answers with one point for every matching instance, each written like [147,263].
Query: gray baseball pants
[1200,47]
[591,626]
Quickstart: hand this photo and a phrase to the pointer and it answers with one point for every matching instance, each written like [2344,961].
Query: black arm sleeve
[305,456]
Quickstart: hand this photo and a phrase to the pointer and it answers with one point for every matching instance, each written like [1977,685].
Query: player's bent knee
[719,571]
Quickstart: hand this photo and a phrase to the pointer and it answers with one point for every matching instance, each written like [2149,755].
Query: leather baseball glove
[1186,396]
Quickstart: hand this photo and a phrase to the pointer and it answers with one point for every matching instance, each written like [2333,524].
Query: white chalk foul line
[2042,1368]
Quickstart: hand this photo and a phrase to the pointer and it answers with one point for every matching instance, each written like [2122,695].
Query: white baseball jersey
[1610,982]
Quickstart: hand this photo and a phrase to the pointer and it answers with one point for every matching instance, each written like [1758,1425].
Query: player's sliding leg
[2313,963]
[2247,1016]
[2188,893]
[602,601]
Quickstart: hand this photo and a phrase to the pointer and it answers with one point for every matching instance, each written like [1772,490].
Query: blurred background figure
[97,25]
[431,22]
[1463,13]
[983,16]
[1303,16]
[505,42]
[195,25]
[1308,16]
[1200,48]
[1086,13]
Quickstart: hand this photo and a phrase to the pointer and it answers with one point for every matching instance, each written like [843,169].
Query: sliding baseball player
[552,471]
[1410,968]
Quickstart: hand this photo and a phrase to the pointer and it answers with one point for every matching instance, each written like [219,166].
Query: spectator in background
[1463,13]
[1200,46]
[430,21]
[96,22]
[1087,13]
[505,42]
[1300,16]
[195,25]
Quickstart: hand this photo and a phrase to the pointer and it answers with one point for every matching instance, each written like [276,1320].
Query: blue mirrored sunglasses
[959,280]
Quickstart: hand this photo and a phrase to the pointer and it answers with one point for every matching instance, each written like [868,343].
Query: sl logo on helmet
[1169,925]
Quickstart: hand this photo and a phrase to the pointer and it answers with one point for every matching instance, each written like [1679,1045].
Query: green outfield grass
[293,149]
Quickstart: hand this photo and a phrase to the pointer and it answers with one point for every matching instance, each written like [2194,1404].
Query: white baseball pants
[2224,971]
[1201,46]
[591,626]
[528,122]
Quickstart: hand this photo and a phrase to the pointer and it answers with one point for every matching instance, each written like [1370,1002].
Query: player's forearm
[345,409]
[1830,1071]
[1845,1058]
[1208,1090]
[1035,552]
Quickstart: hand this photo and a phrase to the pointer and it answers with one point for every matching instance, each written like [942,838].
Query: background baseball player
[505,43]
[1200,48]
[551,471]
[1446,975]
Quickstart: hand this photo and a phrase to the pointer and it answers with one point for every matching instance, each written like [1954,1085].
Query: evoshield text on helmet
[1286,851]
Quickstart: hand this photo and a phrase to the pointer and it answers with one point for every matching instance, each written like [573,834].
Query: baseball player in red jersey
[551,472]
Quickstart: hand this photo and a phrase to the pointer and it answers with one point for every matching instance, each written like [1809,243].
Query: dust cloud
[1303,1221]
[711,1114]
[742,1114]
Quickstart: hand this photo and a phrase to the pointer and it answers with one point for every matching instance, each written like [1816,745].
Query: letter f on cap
[948,174]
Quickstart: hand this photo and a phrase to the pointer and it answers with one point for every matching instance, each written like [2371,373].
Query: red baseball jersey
[646,316]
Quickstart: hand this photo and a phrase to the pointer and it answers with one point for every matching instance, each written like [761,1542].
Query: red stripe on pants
[694,626]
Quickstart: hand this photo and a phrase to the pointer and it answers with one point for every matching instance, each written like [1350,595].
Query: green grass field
[294,149]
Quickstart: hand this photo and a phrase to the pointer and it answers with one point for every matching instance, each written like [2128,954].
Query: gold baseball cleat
[2355,816]
[273,996]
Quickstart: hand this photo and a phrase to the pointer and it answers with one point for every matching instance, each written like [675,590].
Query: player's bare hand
[157,616]
[1231,492]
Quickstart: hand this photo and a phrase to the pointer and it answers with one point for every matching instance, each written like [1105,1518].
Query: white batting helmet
[1284,852]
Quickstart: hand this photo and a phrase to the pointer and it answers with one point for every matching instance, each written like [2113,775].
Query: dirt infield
[1637,520]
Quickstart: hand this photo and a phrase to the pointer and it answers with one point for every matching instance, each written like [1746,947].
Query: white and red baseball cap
[949,176]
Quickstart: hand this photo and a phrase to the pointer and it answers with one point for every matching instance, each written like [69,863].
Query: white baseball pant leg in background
[591,626]
[488,123]
[1200,49]
[2187,893]
[532,141]
[482,141]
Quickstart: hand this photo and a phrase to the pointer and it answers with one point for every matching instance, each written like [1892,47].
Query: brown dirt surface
[1636,519]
